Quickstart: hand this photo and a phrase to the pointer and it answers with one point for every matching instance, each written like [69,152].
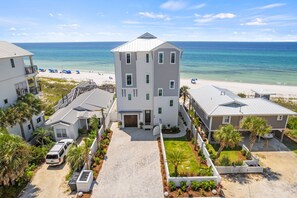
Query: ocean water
[253,62]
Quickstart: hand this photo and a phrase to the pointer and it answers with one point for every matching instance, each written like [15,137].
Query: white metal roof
[143,43]
[216,101]
[9,50]
[85,105]
[264,92]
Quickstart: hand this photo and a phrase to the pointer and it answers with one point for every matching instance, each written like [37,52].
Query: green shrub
[238,163]
[249,155]
[108,130]
[183,186]
[243,151]
[292,122]
[97,160]
[195,185]
[106,141]
[172,186]
[208,185]
[179,192]
[200,152]
[205,171]
[213,157]
[225,161]
[38,154]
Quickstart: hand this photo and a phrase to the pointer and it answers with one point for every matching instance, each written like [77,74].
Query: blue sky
[174,20]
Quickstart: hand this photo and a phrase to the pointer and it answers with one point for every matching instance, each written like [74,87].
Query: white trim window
[129,96]
[160,91]
[160,110]
[147,96]
[128,58]
[279,117]
[147,58]
[171,103]
[61,133]
[160,57]
[129,80]
[147,79]
[226,120]
[172,57]
[172,84]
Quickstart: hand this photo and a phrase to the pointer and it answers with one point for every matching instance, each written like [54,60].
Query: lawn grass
[234,154]
[190,167]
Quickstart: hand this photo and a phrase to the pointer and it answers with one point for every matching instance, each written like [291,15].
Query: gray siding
[128,68]
[235,120]
[165,72]
[201,113]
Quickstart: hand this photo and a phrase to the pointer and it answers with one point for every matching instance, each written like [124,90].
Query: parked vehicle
[267,136]
[57,154]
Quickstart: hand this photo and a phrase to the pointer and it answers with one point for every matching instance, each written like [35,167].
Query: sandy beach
[236,87]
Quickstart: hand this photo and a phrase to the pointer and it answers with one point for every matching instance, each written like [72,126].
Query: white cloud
[210,17]
[173,5]
[131,22]
[154,15]
[59,14]
[51,14]
[20,34]
[274,5]
[196,7]
[12,29]
[68,26]
[255,22]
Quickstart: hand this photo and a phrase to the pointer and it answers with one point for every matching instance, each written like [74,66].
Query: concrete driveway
[48,182]
[132,167]
[279,180]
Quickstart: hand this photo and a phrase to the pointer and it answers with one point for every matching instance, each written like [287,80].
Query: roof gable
[9,50]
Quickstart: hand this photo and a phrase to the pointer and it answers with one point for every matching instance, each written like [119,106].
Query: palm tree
[176,158]
[94,123]
[35,106]
[75,157]
[257,126]
[23,113]
[11,115]
[15,154]
[43,136]
[183,93]
[227,136]
[86,152]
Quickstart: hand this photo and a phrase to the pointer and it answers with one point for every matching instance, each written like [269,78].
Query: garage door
[130,120]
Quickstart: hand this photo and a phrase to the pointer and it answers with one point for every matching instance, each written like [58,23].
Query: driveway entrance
[132,166]
[130,120]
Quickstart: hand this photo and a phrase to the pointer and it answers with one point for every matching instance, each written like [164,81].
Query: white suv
[57,154]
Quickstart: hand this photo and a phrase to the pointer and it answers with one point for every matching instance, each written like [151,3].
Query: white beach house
[17,77]
[147,82]
[68,120]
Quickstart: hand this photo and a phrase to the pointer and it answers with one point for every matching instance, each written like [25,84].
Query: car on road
[57,154]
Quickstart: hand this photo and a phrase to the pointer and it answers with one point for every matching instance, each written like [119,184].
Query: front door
[147,117]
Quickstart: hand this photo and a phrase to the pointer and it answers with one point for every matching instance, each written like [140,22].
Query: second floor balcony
[31,69]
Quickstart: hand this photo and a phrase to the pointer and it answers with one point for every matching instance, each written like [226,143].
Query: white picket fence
[186,116]
[216,176]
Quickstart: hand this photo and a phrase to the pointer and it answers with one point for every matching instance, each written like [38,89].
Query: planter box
[84,181]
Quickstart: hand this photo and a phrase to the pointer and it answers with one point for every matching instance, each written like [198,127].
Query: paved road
[132,167]
[48,182]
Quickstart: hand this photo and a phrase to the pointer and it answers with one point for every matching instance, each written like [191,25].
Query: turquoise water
[254,62]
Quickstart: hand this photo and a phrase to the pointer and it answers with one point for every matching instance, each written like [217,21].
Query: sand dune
[236,87]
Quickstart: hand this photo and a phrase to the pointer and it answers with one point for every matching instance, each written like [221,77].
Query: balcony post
[31,60]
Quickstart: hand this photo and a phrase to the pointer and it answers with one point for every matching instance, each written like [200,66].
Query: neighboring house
[17,79]
[216,106]
[147,82]
[66,121]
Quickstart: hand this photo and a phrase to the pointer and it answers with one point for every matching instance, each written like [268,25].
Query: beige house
[217,106]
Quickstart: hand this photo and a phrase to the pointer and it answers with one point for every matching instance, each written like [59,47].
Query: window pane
[160,57]
[147,79]
[147,96]
[129,96]
[147,58]
[129,80]
[159,110]
[160,92]
[172,58]
[172,84]
[128,58]
[171,103]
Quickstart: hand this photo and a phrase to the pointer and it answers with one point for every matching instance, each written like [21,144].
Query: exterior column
[31,60]
[87,126]
[283,133]
[209,136]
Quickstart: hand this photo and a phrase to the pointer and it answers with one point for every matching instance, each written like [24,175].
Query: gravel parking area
[279,179]
[132,166]
[48,182]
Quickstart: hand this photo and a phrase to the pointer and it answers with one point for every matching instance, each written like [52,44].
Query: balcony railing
[21,91]
[31,69]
